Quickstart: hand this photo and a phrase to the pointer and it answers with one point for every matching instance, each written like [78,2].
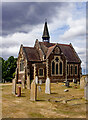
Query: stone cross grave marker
[14,86]
[47,86]
[36,79]
[33,94]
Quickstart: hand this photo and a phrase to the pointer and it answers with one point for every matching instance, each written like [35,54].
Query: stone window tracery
[57,66]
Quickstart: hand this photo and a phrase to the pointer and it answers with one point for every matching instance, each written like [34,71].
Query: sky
[23,23]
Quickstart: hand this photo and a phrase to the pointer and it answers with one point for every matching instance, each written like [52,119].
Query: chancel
[58,62]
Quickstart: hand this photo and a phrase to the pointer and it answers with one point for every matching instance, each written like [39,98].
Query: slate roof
[31,54]
[67,50]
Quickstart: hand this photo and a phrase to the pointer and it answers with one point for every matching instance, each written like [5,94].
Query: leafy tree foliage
[8,68]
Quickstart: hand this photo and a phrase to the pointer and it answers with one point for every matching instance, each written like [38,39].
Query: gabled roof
[31,54]
[66,49]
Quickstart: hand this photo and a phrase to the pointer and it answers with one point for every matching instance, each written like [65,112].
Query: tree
[8,68]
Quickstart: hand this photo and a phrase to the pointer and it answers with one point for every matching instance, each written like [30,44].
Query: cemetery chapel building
[56,61]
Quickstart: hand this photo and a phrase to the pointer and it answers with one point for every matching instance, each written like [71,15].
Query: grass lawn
[58,104]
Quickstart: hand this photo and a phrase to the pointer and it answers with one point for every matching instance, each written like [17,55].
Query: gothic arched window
[60,67]
[57,68]
[53,67]
[21,65]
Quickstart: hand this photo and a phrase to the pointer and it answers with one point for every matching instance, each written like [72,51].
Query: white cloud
[76,28]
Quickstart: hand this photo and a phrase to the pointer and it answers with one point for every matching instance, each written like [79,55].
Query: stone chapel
[56,61]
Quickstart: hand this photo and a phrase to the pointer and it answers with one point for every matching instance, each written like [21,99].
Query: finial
[45,19]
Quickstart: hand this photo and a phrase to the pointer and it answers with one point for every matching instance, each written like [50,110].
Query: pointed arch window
[57,68]
[60,67]
[53,67]
[21,65]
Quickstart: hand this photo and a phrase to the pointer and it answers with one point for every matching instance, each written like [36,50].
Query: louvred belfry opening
[46,36]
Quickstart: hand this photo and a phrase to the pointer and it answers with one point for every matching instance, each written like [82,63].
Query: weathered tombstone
[19,91]
[39,88]
[67,83]
[33,94]
[40,82]
[47,86]
[36,79]
[83,82]
[86,91]
[14,86]
[23,82]
[75,81]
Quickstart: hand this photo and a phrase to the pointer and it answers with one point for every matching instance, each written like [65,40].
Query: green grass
[22,107]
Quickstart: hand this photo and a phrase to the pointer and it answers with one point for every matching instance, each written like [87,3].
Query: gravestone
[47,86]
[14,86]
[86,91]
[40,82]
[33,94]
[67,84]
[83,82]
[23,82]
[36,79]
[39,88]
[19,91]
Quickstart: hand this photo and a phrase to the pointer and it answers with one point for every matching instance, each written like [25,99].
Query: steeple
[45,36]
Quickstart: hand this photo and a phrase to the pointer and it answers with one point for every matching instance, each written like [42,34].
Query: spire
[45,36]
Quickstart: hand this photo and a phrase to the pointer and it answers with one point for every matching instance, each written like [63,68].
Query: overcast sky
[23,23]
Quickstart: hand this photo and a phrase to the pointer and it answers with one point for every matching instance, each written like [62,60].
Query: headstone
[23,82]
[67,83]
[28,82]
[36,79]
[39,88]
[75,81]
[86,92]
[14,86]
[83,82]
[40,82]
[19,91]
[33,94]
[47,86]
